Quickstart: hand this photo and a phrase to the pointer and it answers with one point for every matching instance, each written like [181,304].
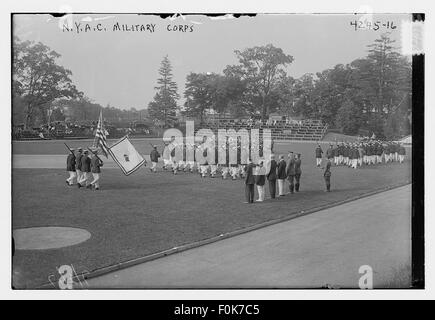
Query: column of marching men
[84,170]
[276,173]
[362,153]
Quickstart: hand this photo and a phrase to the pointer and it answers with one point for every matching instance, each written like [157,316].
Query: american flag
[100,136]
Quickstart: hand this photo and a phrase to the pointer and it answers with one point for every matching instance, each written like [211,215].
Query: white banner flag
[126,156]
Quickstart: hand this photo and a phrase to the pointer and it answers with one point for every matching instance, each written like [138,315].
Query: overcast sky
[121,67]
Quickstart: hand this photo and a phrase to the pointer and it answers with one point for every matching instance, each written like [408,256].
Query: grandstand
[307,130]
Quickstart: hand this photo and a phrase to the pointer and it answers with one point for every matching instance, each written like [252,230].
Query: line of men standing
[276,173]
[84,170]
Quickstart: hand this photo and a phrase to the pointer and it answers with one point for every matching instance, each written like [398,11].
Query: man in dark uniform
[319,152]
[86,170]
[298,171]
[249,182]
[346,154]
[96,164]
[290,171]
[79,165]
[340,153]
[336,156]
[327,175]
[281,175]
[402,153]
[71,167]
[380,152]
[271,176]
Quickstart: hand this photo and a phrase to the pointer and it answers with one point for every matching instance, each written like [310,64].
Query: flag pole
[95,137]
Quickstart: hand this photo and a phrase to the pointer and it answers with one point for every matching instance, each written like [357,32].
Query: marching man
[79,164]
[319,152]
[86,170]
[71,167]
[402,153]
[166,157]
[154,157]
[96,164]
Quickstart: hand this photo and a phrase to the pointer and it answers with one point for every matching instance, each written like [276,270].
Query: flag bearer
[96,164]
[86,170]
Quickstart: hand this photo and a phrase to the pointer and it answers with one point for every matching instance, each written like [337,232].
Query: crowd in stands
[60,130]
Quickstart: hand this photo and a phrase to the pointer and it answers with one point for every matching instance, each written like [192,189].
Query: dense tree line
[371,93]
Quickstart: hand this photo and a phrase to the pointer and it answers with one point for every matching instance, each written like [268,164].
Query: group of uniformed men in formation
[366,152]
[226,170]
[84,171]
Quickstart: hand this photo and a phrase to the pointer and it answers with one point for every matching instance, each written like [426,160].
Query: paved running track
[326,247]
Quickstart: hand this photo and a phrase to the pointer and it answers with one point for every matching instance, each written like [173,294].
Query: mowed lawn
[134,216]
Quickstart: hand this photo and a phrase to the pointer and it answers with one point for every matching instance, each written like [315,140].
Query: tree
[211,91]
[349,118]
[260,67]
[164,106]
[383,78]
[38,79]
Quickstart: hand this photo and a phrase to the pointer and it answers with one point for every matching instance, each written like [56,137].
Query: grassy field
[144,213]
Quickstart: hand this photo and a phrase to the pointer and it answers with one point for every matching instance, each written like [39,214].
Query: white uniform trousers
[72,176]
[260,190]
[281,187]
[96,181]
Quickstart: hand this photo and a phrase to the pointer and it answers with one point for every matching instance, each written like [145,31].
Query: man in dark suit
[249,182]
[271,176]
[298,171]
[282,175]
[327,175]
[290,170]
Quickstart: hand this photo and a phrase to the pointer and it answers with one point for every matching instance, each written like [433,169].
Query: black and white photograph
[216,150]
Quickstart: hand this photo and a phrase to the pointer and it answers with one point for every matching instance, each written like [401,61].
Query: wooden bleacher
[309,130]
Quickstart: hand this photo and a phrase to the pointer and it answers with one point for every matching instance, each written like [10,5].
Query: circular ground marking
[48,237]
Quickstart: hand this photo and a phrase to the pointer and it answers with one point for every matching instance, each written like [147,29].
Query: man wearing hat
[249,182]
[154,157]
[327,175]
[290,171]
[298,171]
[71,167]
[330,152]
[79,156]
[319,152]
[271,176]
[281,175]
[86,170]
[260,179]
[96,164]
